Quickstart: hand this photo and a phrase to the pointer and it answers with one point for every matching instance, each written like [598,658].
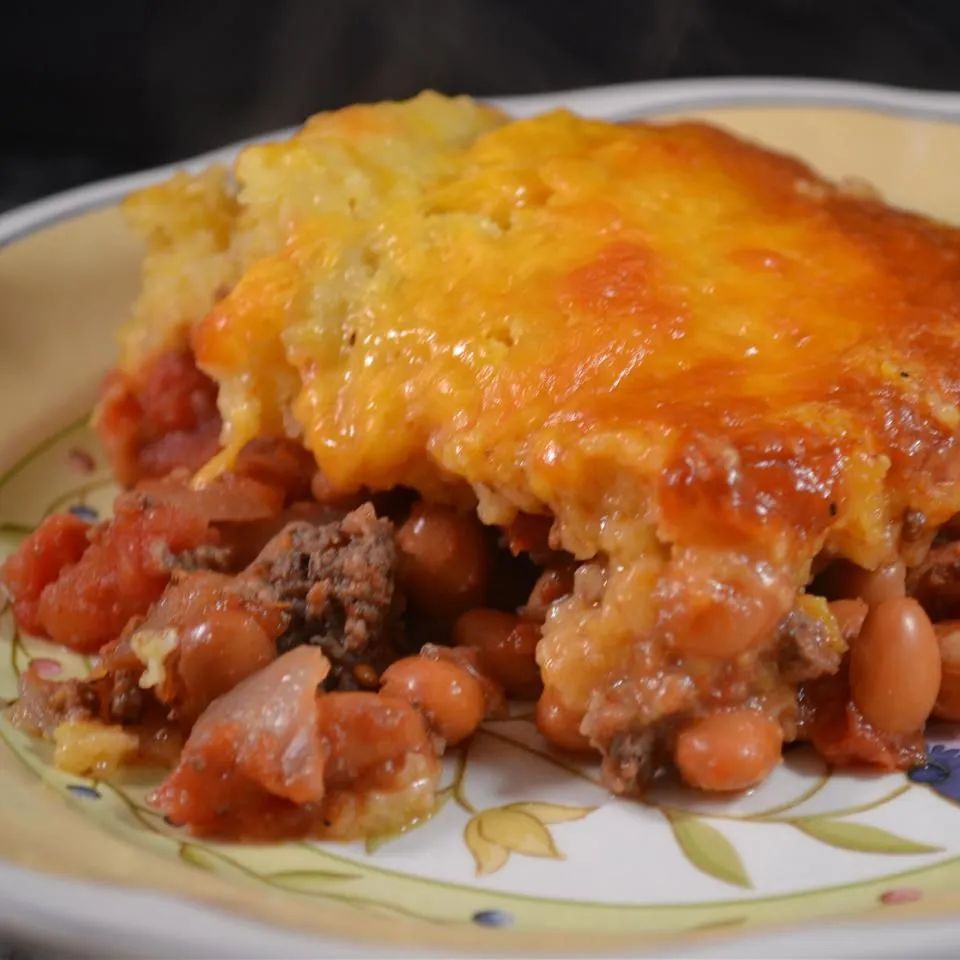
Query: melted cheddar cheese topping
[705,362]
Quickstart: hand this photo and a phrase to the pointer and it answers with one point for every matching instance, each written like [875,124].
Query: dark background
[91,89]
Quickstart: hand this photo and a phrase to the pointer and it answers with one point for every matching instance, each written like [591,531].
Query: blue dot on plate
[81,790]
[492,918]
[84,512]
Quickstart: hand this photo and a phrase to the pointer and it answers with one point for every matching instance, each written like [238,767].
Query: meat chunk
[806,646]
[107,697]
[203,636]
[126,697]
[43,703]
[935,583]
[633,759]
[336,582]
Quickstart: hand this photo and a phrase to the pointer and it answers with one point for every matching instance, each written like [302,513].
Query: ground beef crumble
[633,759]
[45,703]
[205,557]
[126,697]
[337,582]
[804,649]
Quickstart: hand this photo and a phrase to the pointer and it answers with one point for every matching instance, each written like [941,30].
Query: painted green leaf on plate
[708,849]
[859,836]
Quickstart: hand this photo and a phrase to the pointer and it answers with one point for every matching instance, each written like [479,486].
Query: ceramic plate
[526,853]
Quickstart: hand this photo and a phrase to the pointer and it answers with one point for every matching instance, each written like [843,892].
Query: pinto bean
[451,699]
[895,666]
[508,647]
[731,750]
[559,724]
[444,560]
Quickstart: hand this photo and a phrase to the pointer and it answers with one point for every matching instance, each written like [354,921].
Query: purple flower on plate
[941,772]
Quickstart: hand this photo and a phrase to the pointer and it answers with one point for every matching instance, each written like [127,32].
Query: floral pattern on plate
[526,838]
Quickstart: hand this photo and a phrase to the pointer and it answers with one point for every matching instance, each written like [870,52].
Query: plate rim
[622,100]
[23,889]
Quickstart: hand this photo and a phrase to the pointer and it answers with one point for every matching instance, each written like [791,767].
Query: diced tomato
[203,636]
[186,449]
[166,417]
[844,738]
[80,585]
[123,570]
[175,394]
[368,735]
[59,542]
[254,756]
[276,757]
[117,422]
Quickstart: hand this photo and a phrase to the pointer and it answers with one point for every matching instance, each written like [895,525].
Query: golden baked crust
[706,363]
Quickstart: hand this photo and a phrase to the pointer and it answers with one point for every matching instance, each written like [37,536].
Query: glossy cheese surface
[705,362]
[587,318]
